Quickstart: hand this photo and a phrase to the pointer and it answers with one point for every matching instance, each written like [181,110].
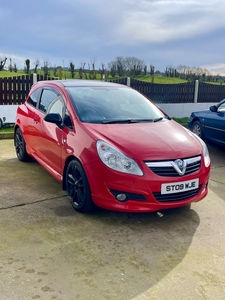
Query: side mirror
[213,108]
[53,118]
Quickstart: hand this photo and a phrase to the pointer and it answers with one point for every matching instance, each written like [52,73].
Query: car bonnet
[148,141]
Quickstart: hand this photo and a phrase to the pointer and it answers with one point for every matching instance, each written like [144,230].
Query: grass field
[67,75]
[7,129]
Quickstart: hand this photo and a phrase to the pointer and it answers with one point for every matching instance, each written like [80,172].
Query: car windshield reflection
[112,105]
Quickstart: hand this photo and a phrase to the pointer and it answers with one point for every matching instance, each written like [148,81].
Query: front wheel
[197,129]
[78,187]
[20,146]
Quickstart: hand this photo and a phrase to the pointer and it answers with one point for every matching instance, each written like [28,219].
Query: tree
[121,65]
[118,66]
[55,71]
[152,72]
[27,66]
[60,72]
[2,63]
[134,66]
[14,67]
[10,64]
[36,65]
[145,70]
[112,68]
[82,70]
[72,69]
[126,66]
[46,67]
[93,61]
[102,71]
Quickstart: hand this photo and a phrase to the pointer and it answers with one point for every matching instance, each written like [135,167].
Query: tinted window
[48,96]
[34,97]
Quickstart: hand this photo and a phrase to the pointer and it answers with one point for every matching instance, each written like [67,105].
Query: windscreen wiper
[158,119]
[126,121]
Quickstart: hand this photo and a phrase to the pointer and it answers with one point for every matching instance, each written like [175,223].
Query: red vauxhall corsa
[111,147]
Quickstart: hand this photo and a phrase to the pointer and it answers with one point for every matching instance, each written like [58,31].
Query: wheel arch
[194,120]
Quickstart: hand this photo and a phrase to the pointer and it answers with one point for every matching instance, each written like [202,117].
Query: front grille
[165,168]
[176,196]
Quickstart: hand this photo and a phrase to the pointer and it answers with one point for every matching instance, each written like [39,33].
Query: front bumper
[143,193]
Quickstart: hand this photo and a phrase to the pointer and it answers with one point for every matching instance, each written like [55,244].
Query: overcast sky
[164,33]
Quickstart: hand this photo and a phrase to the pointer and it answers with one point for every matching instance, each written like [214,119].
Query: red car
[111,147]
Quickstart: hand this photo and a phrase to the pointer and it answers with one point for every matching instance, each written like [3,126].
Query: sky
[162,33]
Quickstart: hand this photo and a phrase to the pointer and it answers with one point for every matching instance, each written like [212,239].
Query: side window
[34,97]
[47,97]
[56,106]
[221,108]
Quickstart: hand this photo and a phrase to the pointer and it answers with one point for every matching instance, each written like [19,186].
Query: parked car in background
[209,124]
[111,147]
[4,124]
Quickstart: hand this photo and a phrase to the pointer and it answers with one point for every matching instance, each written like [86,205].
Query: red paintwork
[141,141]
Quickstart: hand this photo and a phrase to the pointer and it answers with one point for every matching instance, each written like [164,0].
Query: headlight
[116,160]
[205,151]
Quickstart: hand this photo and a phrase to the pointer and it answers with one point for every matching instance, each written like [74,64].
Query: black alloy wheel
[78,187]
[20,146]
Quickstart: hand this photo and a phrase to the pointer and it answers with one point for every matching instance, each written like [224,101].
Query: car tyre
[78,188]
[197,129]
[20,146]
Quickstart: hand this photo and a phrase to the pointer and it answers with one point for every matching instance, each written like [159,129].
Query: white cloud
[161,21]
[161,32]
[216,69]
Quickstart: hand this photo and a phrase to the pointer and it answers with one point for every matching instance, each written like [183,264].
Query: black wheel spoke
[78,188]
[20,146]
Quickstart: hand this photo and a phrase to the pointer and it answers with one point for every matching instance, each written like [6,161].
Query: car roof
[77,82]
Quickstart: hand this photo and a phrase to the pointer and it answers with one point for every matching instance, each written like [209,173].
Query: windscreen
[112,105]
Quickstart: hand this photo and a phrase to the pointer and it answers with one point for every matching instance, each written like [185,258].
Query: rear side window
[34,97]
[48,96]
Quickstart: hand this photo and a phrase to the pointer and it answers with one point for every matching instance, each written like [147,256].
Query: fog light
[121,197]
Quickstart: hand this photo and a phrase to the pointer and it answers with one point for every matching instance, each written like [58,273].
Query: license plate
[178,187]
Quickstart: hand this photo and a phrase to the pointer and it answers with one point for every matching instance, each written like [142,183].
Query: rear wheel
[20,146]
[197,129]
[78,187]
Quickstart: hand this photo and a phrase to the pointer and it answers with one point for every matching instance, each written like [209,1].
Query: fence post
[128,81]
[196,91]
[34,78]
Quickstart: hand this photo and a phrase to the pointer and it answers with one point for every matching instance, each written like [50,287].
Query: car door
[215,124]
[51,142]
[48,144]
[29,125]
